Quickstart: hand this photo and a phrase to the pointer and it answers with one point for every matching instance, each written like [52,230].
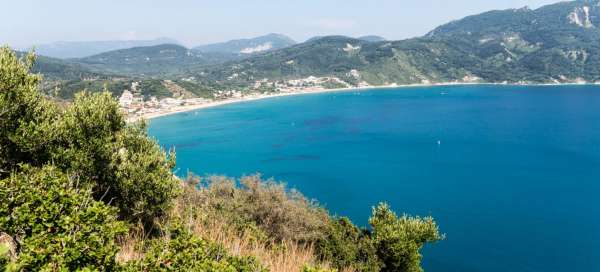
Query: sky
[194,22]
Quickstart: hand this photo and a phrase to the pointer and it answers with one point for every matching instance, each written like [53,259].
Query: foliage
[200,90]
[68,89]
[281,214]
[398,240]
[63,221]
[4,259]
[57,223]
[25,117]
[69,175]
[89,139]
[182,251]
[345,246]
[125,167]
[308,268]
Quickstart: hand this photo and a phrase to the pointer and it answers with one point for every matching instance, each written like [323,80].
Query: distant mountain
[248,46]
[409,61]
[372,38]
[369,38]
[164,59]
[555,43]
[58,69]
[64,78]
[65,50]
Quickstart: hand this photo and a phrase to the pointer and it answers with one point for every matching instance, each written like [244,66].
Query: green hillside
[248,46]
[153,61]
[557,43]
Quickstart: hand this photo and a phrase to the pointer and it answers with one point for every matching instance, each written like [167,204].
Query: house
[126,99]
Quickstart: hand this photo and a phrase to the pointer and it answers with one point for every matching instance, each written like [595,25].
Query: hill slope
[555,43]
[248,46]
[164,59]
[372,38]
[67,50]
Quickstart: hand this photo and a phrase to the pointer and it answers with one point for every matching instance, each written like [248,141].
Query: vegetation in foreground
[80,189]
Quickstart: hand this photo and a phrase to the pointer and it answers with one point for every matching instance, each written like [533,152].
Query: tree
[125,166]
[89,139]
[347,246]
[56,223]
[398,240]
[26,119]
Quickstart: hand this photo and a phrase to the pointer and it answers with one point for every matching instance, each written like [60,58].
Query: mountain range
[66,50]
[248,46]
[556,43]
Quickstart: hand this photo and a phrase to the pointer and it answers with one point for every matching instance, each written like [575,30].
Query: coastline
[256,97]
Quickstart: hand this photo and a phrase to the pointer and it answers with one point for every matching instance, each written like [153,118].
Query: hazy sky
[194,22]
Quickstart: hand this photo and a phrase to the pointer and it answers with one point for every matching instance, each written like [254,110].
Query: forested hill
[248,46]
[555,43]
[558,43]
[66,50]
[153,61]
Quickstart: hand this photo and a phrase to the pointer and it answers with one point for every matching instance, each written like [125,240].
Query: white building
[126,99]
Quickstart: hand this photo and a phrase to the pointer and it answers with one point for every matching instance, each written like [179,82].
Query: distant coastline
[255,97]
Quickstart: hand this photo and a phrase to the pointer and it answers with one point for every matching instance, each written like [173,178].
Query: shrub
[89,139]
[125,166]
[281,214]
[26,119]
[398,240]
[182,251]
[56,223]
[346,246]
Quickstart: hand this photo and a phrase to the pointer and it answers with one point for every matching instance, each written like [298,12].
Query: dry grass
[194,209]
[283,257]
[130,246]
[277,256]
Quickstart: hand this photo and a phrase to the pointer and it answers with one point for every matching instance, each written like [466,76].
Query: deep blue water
[511,174]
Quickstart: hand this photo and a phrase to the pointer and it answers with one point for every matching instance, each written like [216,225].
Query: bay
[510,173]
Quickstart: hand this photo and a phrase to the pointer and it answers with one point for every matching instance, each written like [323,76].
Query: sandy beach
[255,97]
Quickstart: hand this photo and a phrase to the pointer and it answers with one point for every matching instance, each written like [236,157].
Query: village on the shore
[136,106]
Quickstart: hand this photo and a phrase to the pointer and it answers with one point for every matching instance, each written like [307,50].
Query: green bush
[283,215]
[398,240]
[89,139]
[26,119]
[182,251]
[125,166]
[346,246]
[56,222]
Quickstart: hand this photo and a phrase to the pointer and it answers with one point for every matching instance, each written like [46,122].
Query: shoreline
[188,108]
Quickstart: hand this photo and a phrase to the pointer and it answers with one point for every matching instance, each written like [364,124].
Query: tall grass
[218,210]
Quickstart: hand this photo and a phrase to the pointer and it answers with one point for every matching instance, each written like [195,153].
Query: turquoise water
[511,174]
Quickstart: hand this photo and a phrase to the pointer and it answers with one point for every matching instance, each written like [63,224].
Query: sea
[510,173]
